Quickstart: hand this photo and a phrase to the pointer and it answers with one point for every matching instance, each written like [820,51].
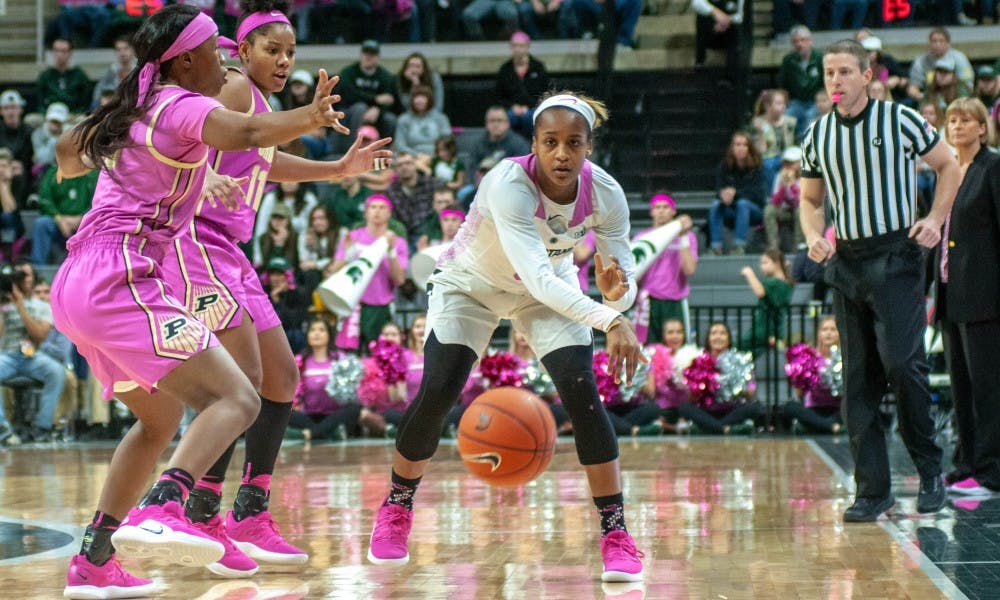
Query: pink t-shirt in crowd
[664,279]
[165,151]
[380,291]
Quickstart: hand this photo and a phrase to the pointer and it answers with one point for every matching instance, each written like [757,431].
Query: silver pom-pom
[831,374]
[345,375]
[633,391]
[735,375]
[537,380]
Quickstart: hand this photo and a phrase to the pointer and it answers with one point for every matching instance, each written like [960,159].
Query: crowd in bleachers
[306,232]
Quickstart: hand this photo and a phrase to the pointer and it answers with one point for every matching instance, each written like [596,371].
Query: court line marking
[933,572]
[68,549]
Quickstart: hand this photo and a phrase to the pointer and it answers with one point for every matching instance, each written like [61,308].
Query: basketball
[507,436]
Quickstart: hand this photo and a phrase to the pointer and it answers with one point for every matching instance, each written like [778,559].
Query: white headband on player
[567,101]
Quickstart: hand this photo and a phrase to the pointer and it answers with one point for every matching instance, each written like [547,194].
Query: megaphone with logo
[647,248]
[422,263]
[342,291]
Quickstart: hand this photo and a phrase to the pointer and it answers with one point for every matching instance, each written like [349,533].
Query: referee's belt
[869,245]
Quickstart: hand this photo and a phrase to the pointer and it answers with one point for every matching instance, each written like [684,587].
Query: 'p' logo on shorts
[172,328]
[202,303]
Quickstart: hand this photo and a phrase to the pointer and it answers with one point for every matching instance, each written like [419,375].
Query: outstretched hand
[611,280]
[323,114]
[372,157]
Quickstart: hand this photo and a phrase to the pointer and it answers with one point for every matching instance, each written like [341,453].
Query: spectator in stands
[300,90]
[317,246]
[773,131]
[926,175]
[884,66]
[279,240]
[521,81]
[61,205]
[368,93]
[923,67]
[739,185]
[412,195]
[298,198]
[78,16]
[848,14]
[823,104]
[447,167]
[719,26]
[15,135]
[430,231]
[801,73]
[498,142]
[878,91]
[774,292]
[590,13]
[665,282]
[11,228]
[719,414]
[420,127]
[987,86]
[378,296]
[290,304]
[346,200]
[477,10]
[945,87]
[787,12]
[562,12]
[123,65]
[44,138]
[817,407]
[784,204]
[27,322]
[63,82]
[416,72]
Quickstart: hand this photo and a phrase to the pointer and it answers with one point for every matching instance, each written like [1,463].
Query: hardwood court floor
[717,518]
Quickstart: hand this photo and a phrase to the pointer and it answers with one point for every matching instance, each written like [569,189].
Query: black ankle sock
[402,491]
[202,504]
[250,500]
[174,486]
[97,539]
[612,512]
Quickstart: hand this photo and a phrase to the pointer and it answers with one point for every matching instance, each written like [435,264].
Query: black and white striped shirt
[868,163]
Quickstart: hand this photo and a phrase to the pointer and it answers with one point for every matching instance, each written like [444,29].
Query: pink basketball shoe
[259,538]
[234,563]
[622,562]
[87,580]
[162,531]
[389,535]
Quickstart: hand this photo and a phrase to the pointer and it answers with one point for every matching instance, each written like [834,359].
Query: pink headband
[253,21]
[201,28]
[662,198]
[378,198]
[520,36]
[451,212]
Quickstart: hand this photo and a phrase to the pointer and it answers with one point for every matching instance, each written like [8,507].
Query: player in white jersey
[513,259]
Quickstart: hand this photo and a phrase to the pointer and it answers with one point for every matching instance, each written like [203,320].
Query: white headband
[567,101]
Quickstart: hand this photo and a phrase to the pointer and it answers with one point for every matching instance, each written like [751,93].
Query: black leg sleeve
[264,437]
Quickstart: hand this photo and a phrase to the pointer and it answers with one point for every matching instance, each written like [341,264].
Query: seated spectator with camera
[26,324]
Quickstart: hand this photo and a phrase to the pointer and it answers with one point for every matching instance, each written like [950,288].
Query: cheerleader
[817,408]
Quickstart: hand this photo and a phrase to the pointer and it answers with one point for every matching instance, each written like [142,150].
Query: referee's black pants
[879,306]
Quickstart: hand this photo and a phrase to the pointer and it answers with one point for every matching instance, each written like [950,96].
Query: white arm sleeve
[513,218]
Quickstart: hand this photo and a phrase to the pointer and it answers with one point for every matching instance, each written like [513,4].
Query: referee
[864,154]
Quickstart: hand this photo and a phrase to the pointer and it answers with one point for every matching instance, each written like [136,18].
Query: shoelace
[396,523]
[218,533]
[626,545]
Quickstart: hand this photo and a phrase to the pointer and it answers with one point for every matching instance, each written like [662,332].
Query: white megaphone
[342,291]
[647,248]
[422,263]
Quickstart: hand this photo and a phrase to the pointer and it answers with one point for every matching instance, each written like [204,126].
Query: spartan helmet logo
[355,272]
[484,457]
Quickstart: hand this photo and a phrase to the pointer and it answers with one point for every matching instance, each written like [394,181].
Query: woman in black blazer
[968,300]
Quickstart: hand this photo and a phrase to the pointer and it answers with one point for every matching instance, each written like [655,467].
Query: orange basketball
[507,436]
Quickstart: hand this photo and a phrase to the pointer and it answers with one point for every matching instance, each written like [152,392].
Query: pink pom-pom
[373,392]
[802,365]
[662,365]
[609,391]
[390,358]
[501,369]
[702,379]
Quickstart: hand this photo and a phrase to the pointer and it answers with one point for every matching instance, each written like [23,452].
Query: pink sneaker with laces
[621,559]
[389,535]
[162,531]
[234,563]
[970,487]
[259,538]
[87,580]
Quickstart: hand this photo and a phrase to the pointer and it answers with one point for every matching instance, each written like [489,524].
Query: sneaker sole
[387,561]
[176,547]
[223,571]
[93,592]
[979,492]
[620,577]
[266,556]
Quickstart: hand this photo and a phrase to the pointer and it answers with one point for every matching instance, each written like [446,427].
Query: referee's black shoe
[932,494]
[866,510]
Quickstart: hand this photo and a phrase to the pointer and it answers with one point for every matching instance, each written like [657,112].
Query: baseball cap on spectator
[281,210]
[368,132]
[9,97]
[58,112]
[945,63]
[985,72]
[370,47]
[871,44]
[277,263]
[792,154]
[301,76]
